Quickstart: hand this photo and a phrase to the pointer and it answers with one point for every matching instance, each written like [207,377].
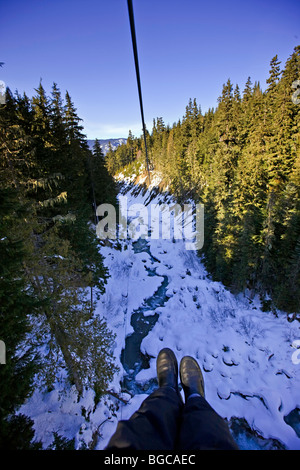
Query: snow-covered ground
[247,355]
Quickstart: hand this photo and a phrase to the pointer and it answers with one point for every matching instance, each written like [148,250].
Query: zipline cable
[137,70]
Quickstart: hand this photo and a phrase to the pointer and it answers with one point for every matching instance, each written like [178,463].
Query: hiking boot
[167,369]
[191,377]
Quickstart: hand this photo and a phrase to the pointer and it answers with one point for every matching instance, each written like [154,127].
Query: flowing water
[133,360]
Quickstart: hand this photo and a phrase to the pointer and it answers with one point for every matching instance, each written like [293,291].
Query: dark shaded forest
[242,160]
[51,270]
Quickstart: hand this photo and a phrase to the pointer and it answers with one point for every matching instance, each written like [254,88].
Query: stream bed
[132,359]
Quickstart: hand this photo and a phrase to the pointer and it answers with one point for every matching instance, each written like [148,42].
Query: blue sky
[187,49]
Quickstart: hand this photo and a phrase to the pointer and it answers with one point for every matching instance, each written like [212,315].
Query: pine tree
[241,161]
[41,132]
[68,316]
[76,166]
[103,183]
[274,75]
[17,163]
[17,304]
[58,130]
[288,219]
[48,168]
[72,120]
[111,161]
[247,93]
[131,146]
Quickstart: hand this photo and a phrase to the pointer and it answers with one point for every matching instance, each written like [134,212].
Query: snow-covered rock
[245,353]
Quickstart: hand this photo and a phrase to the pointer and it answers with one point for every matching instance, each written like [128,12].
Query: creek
[133,360]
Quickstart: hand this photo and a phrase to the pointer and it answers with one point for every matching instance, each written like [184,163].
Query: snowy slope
[245,354]
[104,144]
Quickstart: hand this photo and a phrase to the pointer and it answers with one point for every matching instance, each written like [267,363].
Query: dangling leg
[201,427]
[155,425]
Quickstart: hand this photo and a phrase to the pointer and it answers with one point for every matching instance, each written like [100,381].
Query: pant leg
[155,426]
[203,428]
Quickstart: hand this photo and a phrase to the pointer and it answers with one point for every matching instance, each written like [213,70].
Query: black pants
[163,422]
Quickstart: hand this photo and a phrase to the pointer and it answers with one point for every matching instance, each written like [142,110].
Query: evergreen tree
[76,171]
[103,183]
[242,161]
[17,304]
[71,120]
[41,132]
[111,161]
[58,131]
[274,75]
[45,158]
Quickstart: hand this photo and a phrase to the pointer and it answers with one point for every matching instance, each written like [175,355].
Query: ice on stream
[245,353]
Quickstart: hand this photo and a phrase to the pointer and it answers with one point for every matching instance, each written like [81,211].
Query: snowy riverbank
[245,354]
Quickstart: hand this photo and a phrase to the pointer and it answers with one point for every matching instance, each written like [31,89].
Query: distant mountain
[104,143]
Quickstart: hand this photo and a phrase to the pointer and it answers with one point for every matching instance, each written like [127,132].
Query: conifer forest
[240,159]
[51,268]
